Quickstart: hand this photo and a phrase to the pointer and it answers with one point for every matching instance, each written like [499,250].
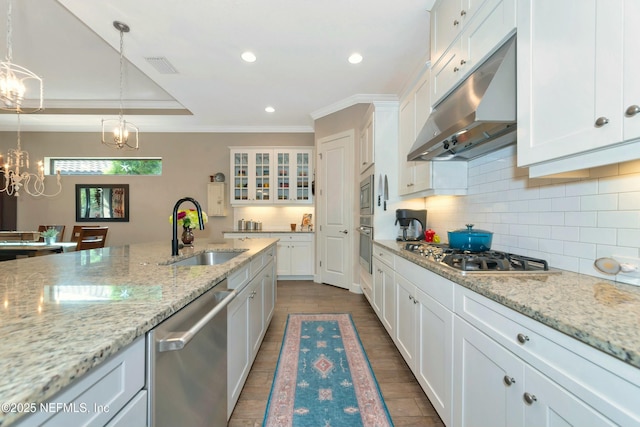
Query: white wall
[569,223]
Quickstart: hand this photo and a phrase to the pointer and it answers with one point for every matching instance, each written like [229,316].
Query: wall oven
[365,230]
[366,196]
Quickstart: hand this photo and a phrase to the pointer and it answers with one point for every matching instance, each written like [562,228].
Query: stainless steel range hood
[476,118]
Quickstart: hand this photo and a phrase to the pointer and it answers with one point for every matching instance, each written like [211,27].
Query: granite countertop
[601,313]
[64,314]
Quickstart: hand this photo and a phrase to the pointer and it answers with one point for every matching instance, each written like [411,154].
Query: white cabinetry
[463,35]
[424,331]
[248,317]
[367,154]
[271,176]
[384,294]
[295,255]
[513,371]
[251,172]
[294,172]
[216,205]
[577,77]
[424,178]
[108,394]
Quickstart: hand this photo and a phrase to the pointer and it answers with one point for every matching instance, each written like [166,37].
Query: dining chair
[60,229]
[92,238]
[75,233]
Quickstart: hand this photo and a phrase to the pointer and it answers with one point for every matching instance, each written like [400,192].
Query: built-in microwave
[366,196]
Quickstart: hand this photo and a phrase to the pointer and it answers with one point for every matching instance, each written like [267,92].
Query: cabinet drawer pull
[632,111]
[462,62]
[456,69]
[601,121]
[410,297]
[463,12]
[530,398]
[508,380]
[522,338]
[455,22]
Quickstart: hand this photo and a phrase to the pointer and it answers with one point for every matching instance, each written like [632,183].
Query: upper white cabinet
[578,90]
[425,178]
[294,175]
[463,34]
[366,142]
[216,205]
[271,175]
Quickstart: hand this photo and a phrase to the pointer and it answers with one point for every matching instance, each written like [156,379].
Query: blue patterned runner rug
[323,377]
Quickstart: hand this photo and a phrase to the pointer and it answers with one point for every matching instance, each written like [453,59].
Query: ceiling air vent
[161,64]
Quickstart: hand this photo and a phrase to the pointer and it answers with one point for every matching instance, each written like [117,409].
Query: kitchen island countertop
[601,313]
[65,314]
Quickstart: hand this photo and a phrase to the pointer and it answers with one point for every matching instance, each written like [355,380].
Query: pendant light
[16,81]
[17,176]
[118,133]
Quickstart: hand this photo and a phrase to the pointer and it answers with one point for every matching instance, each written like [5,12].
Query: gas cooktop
[479,262]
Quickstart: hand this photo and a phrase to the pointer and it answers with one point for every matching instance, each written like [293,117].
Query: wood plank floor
[405,400]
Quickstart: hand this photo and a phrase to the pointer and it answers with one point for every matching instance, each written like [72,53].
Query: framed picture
[102,202]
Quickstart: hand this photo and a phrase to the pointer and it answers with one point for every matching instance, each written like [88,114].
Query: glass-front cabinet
[293,182]
[271,175]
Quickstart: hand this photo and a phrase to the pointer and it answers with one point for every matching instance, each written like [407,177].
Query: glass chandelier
[16,81]
[17,176]
[119,133]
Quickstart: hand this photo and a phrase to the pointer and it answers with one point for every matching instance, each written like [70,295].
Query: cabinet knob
[601,121]
[632,111]
[456,69]
[522,338]
[462,62]
[411,297]
[529,398]
[455,22]
[463,12]
[508,380]
[344,232]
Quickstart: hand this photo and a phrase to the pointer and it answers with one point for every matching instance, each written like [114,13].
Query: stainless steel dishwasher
[187,364]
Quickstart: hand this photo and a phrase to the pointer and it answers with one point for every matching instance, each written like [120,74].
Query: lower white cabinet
[490,381]
[134,414]
[513,371]
[110,390]
[481,363]
[497,387]
[384,294]
[248,317]
[296,252]
[424,333]
[295,255]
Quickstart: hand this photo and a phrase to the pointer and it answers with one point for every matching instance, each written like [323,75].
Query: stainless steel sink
[207,258]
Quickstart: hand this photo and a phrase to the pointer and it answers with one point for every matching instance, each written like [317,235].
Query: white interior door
[335,202]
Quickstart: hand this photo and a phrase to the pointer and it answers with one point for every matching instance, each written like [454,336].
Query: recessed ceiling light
[248,56]
[269,109]
[355,58]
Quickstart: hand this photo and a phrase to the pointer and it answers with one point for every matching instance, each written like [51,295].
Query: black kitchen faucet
[174,241]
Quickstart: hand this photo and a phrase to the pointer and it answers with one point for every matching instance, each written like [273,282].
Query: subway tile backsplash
[568,222]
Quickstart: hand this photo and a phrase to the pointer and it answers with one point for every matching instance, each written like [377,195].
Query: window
[105,166]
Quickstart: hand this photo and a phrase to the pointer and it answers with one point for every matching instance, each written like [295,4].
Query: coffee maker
[407,218]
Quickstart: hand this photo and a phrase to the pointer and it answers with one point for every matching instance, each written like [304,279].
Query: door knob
[601,121]
[530,398]
[344,232]
[632,111]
